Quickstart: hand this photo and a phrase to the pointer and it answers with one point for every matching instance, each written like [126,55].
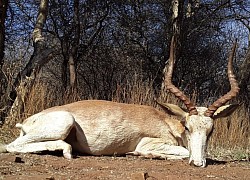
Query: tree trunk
[72,72]
[74,49]
[177,17]
[25,80]
[71,57]
[3,12]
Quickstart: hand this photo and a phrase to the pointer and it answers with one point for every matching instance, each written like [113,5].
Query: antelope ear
[173,109]
[225,111]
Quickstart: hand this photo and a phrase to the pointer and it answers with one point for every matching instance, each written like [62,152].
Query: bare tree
[76,26]
[75,45]
[3,12]
[245,80]
[177,17]
[26,78]
[238,12]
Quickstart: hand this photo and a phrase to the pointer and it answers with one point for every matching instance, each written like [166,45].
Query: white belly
[107,137]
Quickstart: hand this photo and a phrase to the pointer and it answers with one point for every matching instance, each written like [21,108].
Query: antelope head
[198,121]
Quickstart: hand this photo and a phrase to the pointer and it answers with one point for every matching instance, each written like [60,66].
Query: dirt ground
[53,166]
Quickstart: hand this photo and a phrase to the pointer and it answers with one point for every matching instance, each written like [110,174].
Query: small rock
[50,178]
[140,176]
[18,160]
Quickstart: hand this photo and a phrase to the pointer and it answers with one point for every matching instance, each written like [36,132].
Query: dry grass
[230,137]
[232,131]
[135,92]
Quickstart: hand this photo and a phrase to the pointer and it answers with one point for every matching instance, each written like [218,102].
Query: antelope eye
[186,128]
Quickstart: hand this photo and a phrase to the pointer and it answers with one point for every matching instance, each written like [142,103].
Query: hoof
[67,155]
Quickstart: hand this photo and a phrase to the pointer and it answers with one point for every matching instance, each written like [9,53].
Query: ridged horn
[233,83]
[168,82]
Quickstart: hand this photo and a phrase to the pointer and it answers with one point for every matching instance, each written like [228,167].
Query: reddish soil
[54,166]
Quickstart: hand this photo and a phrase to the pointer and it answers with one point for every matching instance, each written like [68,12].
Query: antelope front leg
[156,148]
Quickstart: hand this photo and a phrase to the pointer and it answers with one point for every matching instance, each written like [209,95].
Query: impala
[99,127]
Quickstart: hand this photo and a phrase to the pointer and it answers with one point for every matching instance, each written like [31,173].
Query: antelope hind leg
[156,148]
[42,146]
[45,132]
